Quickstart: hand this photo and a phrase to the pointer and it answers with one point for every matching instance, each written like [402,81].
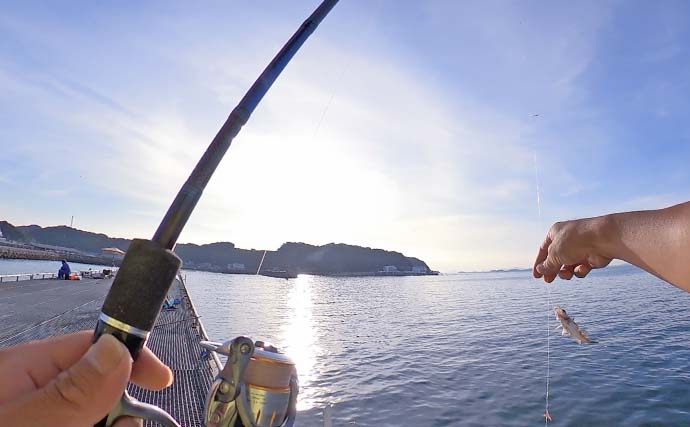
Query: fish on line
[571,328]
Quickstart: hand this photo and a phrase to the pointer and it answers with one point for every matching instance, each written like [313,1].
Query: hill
[330,259]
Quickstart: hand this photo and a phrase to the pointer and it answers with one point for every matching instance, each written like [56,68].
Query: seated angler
[64,271]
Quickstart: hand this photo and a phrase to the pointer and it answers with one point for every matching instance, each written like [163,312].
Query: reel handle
[131,407]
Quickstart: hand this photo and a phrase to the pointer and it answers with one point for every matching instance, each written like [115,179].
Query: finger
[64,351]
[81,395]
[548,278]
[582,270]
[34,364]
[149,372]
[598,261]
[128,422]
[551,265]
[566,272]
[44,360]
[541,256]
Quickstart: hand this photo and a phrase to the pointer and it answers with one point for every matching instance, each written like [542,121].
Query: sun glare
[299,334]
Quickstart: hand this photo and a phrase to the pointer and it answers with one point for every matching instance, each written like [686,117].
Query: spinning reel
[257,387]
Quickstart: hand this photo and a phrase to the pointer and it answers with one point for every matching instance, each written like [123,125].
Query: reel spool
[257,387]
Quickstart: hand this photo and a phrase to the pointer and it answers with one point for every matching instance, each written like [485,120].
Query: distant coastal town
[292,258]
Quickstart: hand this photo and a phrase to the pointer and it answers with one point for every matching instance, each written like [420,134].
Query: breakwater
[20,251]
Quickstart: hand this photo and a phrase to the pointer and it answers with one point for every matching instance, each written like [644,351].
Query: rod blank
[182,207]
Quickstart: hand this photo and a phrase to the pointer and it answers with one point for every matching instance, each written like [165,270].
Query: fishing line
[345,67]
[325,109]
[547,416]
[330,101]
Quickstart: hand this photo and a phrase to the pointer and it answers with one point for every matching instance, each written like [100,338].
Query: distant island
[333,259]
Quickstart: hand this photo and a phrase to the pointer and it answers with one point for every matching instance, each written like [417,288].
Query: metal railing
[202,331]
[29,276]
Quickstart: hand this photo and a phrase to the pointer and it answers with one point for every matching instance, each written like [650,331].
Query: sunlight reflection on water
[299,336]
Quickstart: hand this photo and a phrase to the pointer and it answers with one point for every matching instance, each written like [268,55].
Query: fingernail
[171,378]
[107,353]
[540,268]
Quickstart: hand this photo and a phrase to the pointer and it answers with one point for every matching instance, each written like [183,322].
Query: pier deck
[37,309]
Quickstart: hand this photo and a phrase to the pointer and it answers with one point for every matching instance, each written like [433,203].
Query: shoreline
[348,274]
[41,255]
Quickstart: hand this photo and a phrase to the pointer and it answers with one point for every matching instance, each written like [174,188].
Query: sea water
[463,349]
[467,349]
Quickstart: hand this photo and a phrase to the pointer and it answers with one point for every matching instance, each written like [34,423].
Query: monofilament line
[548,303]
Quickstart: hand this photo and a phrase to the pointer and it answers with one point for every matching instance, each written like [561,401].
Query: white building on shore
[236,266]
[419,269]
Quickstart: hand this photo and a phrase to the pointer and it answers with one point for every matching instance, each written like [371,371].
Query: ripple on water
[467,349]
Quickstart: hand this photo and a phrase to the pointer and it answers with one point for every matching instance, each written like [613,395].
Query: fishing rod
[150,266]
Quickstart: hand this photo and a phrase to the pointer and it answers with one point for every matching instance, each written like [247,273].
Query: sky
[422,127]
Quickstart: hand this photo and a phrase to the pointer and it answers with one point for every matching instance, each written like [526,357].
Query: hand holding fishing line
[66,382]
[572,248]
[657,241]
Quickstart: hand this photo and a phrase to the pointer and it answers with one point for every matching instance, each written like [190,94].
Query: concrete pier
[37,309]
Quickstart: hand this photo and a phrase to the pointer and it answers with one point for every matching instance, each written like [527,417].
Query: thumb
[87,391]
[550,266]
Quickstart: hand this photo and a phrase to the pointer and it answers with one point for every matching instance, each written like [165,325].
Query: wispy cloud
[391,148]
[417,139]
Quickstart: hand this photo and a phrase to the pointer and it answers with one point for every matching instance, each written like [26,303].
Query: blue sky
[404,125]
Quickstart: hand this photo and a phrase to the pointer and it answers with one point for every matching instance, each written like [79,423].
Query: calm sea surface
[465,349]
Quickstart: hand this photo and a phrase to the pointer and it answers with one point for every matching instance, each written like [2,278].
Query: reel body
[257,387]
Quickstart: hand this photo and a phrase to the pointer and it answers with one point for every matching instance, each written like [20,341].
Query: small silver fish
[570,327]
